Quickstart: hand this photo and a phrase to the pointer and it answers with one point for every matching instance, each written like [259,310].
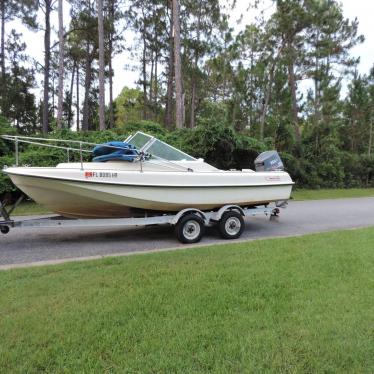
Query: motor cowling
[269,161]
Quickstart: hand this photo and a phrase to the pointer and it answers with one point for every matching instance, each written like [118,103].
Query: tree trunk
[155,102]
[179,109]
[224,73]
[294,109]
[169,94]
[3,105]
[144,71]
[70,111]
[266,101]
[53,95]
[151,83]
[111,73]
[234,111]
[353,130]
[194,88]
[317,112]
[370,138]
[87,86]
[60,64]
[317,89]
[111,107]
[193,103]
[110,66]
[77,93]
[193,94]
[2,4]
[251,122]
[47,59]
[101,65]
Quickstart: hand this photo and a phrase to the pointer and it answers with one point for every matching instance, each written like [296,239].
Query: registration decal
[99,174]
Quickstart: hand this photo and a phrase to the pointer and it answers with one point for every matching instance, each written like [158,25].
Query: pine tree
[179,98]
[47,7]
[24,10]
[85,45]
[61,64]
[101,65]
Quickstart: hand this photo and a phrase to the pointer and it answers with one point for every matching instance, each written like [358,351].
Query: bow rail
[44,142]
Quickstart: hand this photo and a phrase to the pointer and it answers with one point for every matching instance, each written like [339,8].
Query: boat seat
[106,152]
[115,156]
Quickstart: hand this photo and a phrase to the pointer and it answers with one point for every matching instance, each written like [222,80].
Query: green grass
[30,208]
[332,193]
[293,305]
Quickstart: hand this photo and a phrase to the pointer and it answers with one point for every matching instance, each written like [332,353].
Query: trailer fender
[218,215]
[183,212]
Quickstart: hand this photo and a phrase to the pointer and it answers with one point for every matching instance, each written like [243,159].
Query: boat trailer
[189,223]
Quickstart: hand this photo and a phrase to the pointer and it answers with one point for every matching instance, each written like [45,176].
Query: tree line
[288,79]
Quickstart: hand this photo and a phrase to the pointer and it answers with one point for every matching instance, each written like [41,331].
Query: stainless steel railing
[79,146]
[43,142]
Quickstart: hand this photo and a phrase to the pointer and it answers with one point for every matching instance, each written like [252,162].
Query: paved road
[22,246]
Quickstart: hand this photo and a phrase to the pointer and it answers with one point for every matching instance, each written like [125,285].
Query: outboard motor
[269,161]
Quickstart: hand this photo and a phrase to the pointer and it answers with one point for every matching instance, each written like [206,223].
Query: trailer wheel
[190,228]
[231,225]
[4,229]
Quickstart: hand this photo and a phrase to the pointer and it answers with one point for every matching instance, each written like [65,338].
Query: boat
[144,175]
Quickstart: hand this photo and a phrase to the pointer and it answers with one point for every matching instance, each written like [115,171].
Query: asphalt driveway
[24,246]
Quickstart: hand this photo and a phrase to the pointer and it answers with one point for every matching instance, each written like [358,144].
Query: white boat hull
[94,192]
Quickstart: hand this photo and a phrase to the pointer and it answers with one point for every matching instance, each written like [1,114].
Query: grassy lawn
[298,305]
[332,193]
[30,208]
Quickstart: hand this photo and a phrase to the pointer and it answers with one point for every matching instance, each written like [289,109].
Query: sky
[362,9]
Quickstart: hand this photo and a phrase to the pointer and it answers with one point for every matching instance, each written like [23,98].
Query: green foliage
[358,170]
[246,151]
[6,186]
[6,156]
[5,129]
[129,106]
[149,127]
[214,143]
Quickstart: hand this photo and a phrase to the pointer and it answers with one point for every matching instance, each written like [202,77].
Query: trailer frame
[196,218]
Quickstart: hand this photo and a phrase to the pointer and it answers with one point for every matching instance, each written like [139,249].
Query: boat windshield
[157,148]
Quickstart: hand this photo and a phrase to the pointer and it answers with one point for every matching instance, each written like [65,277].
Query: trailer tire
[231,225]
[4,229]
[190,228]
